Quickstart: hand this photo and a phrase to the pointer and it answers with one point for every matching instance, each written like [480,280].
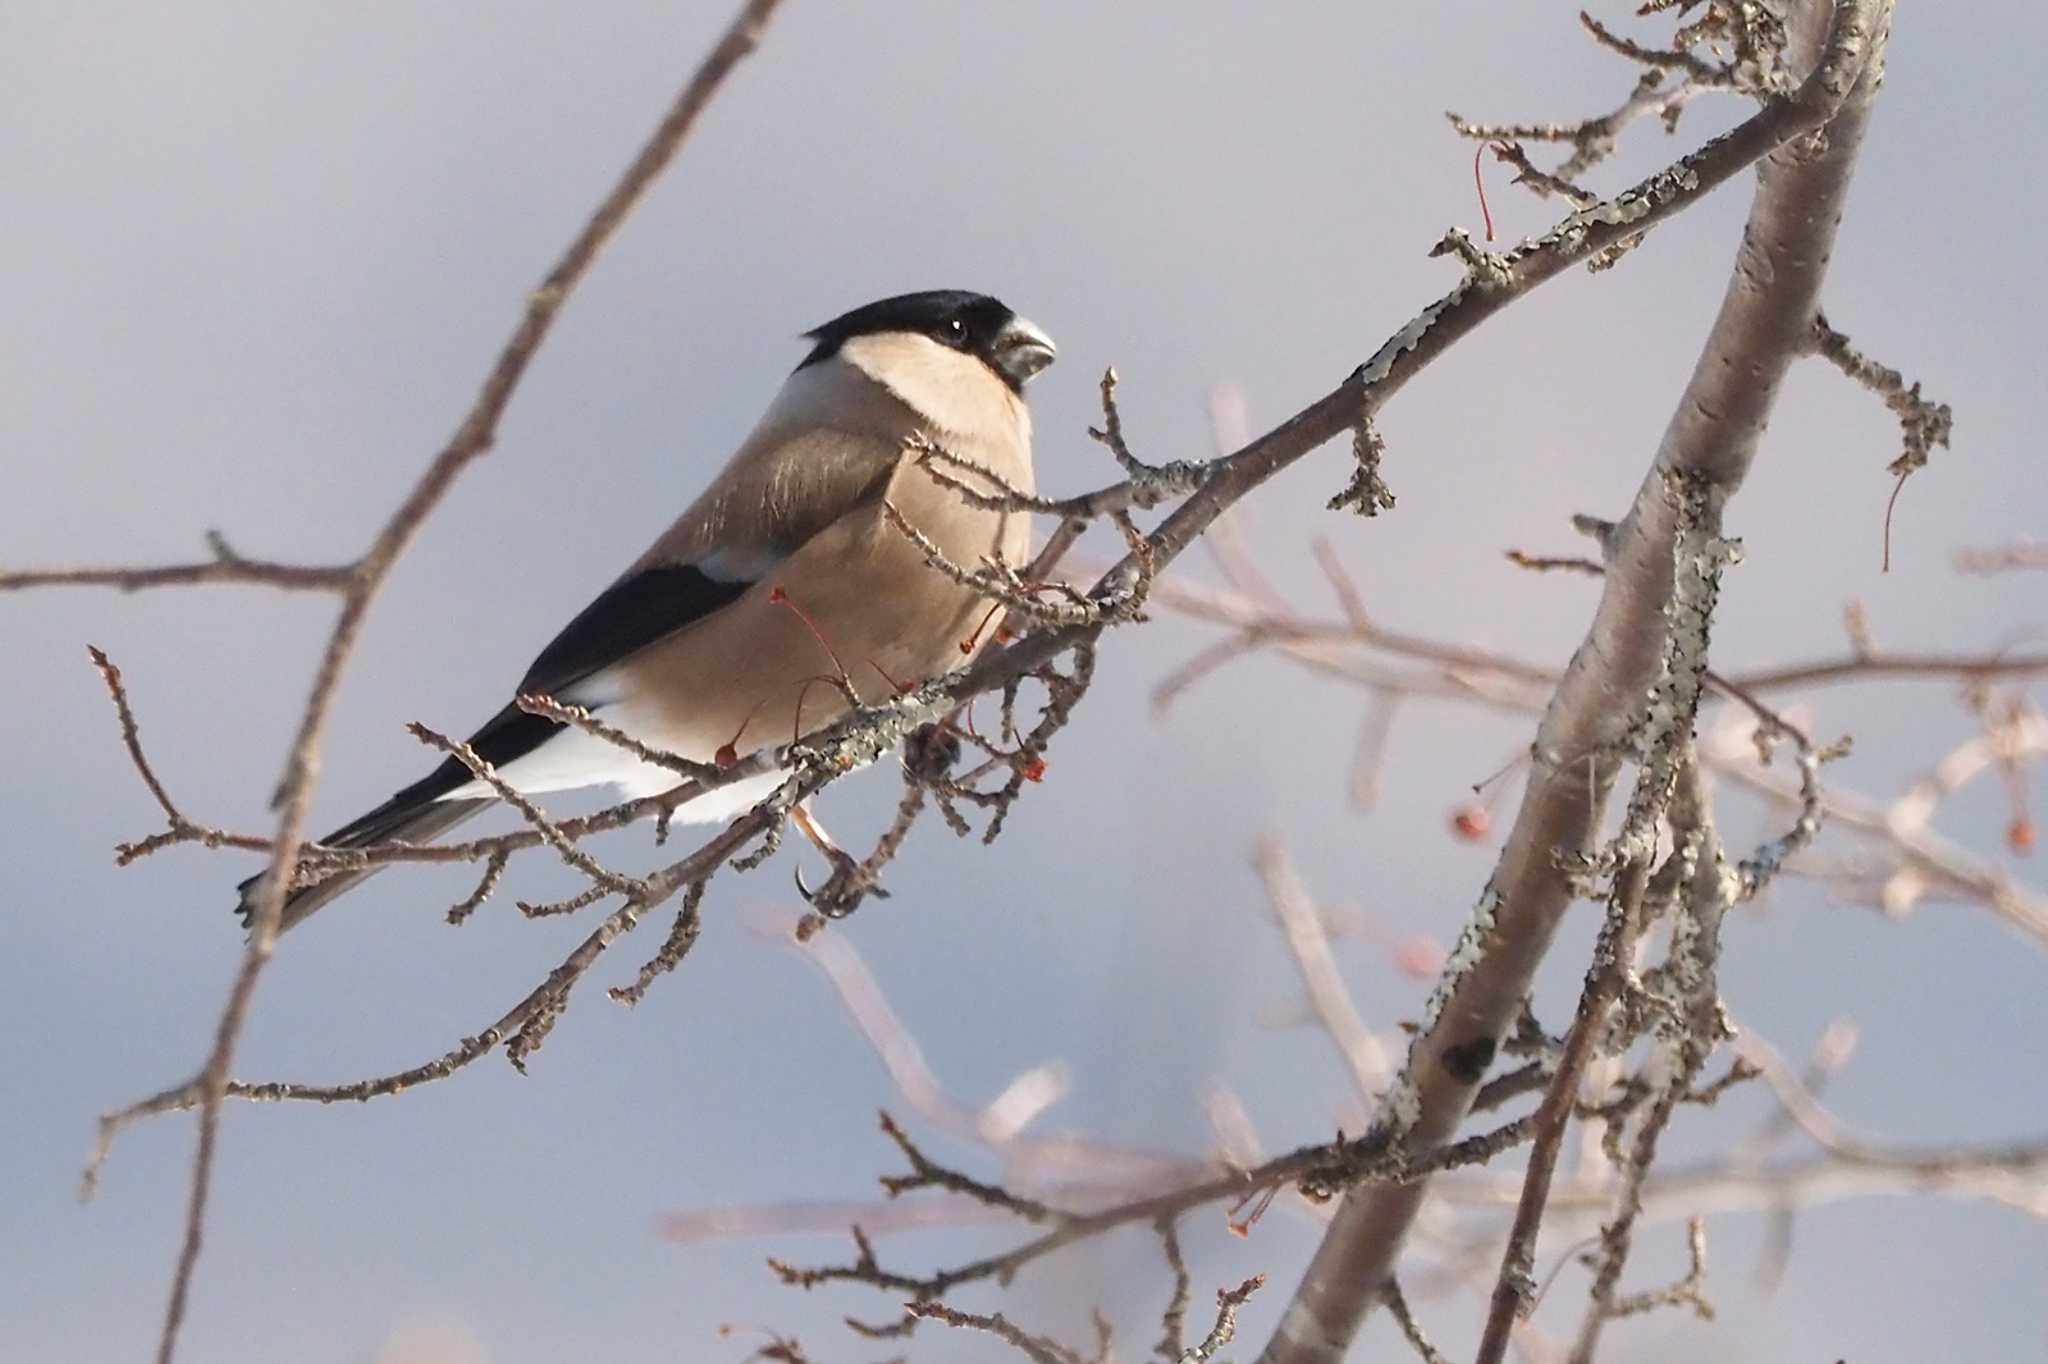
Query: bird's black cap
[959,318]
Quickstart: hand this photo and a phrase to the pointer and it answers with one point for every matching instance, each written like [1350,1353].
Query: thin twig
[1603,986]
[534,703]
[545,827]
[1923,425]
[1321,1169]
[2023,554]
[926,1173]
[1411,1329]
[131,734]
[681,937]
[1309,944]
[1038,1349]
[1173,1321]
[225,566]
[494,870]
[1228,1300]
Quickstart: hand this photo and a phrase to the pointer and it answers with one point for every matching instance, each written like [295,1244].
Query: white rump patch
[572,759]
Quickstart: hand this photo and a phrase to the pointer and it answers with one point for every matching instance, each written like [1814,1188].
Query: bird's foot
[843,891]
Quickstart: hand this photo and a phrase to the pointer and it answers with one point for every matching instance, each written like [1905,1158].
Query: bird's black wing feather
[628,616]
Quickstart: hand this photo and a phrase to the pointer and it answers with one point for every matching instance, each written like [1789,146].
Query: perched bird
[784,571]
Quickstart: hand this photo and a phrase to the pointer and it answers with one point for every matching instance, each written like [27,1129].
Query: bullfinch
[783,586]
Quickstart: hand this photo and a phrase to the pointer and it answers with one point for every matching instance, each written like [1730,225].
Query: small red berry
[2021,835]
[1032,768]
[1471,822]
[725,757]
[1419,959]
[1247,1212]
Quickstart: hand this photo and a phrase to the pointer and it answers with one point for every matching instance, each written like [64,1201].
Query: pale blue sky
[256,259]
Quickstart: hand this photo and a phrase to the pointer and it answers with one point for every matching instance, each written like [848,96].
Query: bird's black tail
[414,815]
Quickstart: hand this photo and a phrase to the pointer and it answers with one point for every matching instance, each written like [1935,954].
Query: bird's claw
[843,891]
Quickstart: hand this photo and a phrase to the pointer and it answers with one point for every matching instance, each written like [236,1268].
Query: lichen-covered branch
[1923,425]
[1662,737]
[1763,325]
[1682,1039]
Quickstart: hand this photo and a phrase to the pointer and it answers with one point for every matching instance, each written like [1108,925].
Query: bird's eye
[955,330]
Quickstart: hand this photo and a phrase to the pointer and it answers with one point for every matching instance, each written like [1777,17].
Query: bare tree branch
[1309,944]
[1762,327]
[474,435]
[180,829]
[225,566]
[2025,554]
[1038,1349]
[1323,1169]
[1666,726]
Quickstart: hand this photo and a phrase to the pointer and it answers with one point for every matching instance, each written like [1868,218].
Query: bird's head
[967,324]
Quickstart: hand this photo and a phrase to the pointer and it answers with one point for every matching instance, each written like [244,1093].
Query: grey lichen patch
[1570,235]
[1400,1107]
[1367,493]
[1663,733]
[1924,424]
[874,731]
[1485,269]
[1844,63]
[1381,364]
[1756,872]
[1668,882]
[1695,936]
[1610,257]
[1465,954]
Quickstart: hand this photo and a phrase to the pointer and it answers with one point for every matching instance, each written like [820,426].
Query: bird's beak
[1022,350]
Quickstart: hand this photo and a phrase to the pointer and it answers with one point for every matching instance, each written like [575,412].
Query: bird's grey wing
[801,484]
